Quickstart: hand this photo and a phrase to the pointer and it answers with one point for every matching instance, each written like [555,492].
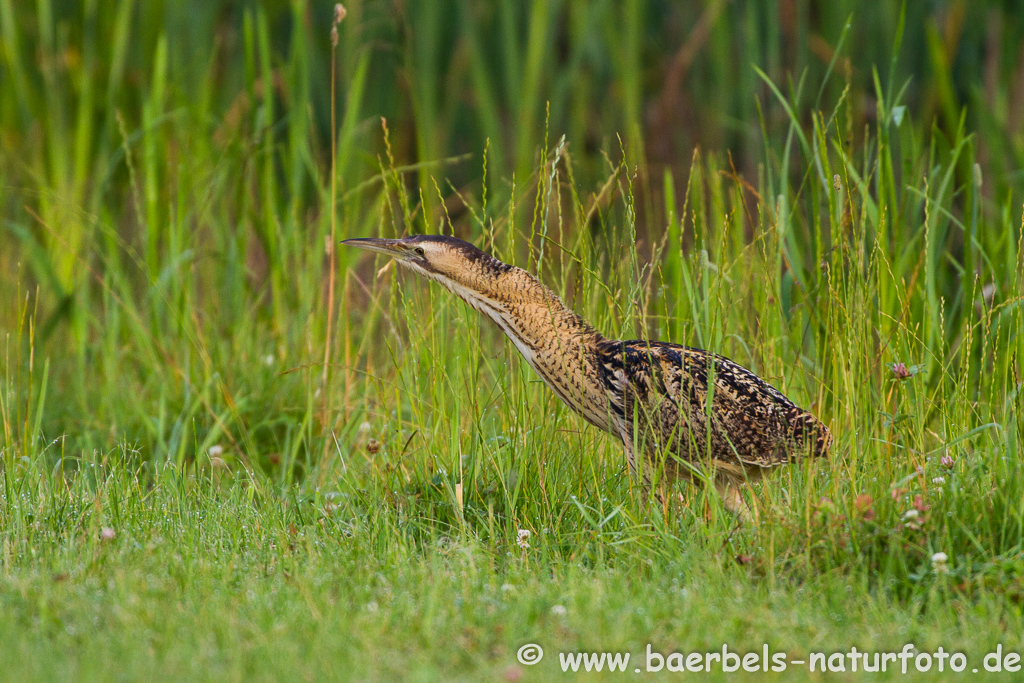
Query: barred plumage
[683,408]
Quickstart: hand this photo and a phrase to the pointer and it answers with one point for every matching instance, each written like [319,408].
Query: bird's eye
[419,251]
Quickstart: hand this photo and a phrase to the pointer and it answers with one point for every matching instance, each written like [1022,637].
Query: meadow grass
[187,494]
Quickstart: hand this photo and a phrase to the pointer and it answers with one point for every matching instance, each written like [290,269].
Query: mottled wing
[754,419]
[750,417]
[750,421]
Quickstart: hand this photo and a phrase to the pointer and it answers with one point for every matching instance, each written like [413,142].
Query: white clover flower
[523,539]
[559,610]
[939,561]
[910,514]
[938,480]
[216,450]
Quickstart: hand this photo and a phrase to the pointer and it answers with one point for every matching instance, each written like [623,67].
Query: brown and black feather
[679,402]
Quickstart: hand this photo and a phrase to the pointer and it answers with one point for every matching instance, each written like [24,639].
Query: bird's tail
[809,432]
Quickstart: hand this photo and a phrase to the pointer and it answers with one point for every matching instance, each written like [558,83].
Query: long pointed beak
[394,248]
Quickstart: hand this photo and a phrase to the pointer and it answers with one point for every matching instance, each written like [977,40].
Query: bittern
[691,413]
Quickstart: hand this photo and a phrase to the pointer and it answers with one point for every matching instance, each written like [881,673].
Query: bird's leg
[645,477]
[754,508]
[627,444]
[732,500]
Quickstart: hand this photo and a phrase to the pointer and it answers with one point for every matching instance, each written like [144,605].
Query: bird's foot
[733,501]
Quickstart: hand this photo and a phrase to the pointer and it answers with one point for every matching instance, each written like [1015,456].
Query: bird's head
[456,264]
[510,296]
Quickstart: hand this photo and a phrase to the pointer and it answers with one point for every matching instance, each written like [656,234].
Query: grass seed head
[339,15]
